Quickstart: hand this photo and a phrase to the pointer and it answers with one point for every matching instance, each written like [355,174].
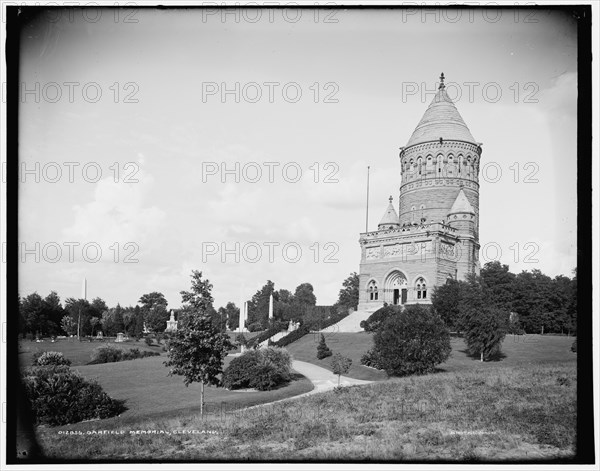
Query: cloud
[118,213]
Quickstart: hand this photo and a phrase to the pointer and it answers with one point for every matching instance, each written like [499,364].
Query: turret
[462,215]
[389,219]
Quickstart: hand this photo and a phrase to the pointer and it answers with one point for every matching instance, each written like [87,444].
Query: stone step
[351,323]
[274,338]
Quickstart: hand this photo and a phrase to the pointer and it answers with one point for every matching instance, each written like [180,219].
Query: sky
[133,129]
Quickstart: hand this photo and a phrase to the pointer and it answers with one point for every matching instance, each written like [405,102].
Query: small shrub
[239,373]
[59,396]
[106,354]
[323,351]
[574,346]
[50,358]
[255,327]
[148,341]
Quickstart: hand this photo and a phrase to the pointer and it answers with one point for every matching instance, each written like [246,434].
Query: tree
[31,308]
[94,321]
[445,301]
[200,297]
[197,352]
[258,306]
[150,300]
[53,313]
[323,351]
[156,318]
[68,325]
[304,295]
[340,365]
[413,341]
[500,284]
[81,312]
[485,331]
[232,315]
[348,295]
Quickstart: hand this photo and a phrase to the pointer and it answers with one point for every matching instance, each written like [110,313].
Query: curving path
[322,379]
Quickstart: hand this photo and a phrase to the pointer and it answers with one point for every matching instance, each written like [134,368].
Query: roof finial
[442,81]
[391,199]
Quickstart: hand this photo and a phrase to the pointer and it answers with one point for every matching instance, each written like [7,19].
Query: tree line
[43,317]
[533,302]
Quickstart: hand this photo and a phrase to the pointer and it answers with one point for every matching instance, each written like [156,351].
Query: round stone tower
[440,158]
[435,234]
[440,176]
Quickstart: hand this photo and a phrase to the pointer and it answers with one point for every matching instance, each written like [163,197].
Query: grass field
[521,407]
[502,413]
[516,350]
[78,352]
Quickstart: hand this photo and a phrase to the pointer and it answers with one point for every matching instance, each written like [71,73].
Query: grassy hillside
[149,391]
[495,414]
[516,350]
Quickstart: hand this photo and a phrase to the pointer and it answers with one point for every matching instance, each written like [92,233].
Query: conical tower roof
[461,204]
[441,119]
[390,217]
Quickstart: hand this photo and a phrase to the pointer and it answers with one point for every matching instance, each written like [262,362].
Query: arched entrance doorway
[396,288]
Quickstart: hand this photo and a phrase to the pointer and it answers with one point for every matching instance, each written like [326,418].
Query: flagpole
[367,218]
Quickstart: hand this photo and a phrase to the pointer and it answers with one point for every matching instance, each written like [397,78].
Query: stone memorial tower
[433,233]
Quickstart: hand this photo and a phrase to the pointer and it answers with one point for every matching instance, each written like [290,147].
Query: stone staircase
[274,338]
[351,323]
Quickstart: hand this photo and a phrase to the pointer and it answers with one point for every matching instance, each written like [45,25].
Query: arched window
[421,287]
[413,209]
[422,209]
[373,291]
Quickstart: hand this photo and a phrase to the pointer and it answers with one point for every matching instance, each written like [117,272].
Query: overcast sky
[365,77]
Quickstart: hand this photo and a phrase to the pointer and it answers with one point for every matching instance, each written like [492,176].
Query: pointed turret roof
[390,217]
[441,119]
[461,204]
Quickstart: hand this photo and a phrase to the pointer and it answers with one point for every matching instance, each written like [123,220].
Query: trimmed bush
[262,369]
[376,320]
[574,346]
[263,336]
[111,354]
[323,350]
[414,340]
[106,354]
[293,336]
[59,396]
[50,358]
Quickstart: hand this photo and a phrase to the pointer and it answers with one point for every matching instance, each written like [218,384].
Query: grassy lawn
[78,352]
[495,414]
[350,345]
[516,350]
[149,391]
